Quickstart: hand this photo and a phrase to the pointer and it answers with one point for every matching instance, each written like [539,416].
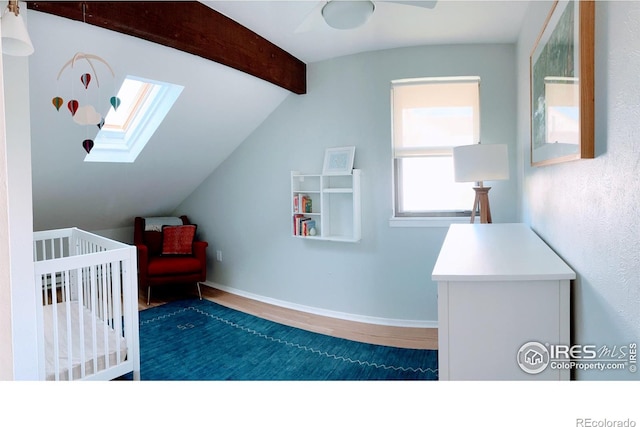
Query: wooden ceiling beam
[191,27]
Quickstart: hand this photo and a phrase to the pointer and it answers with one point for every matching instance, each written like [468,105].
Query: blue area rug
[201,340]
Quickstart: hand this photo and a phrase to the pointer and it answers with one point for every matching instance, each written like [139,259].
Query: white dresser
[501,292]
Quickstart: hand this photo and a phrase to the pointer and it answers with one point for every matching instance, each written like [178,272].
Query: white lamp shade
[481,162]
[15,37]
[346,15]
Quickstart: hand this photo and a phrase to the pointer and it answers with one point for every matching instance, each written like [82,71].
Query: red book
[296,203]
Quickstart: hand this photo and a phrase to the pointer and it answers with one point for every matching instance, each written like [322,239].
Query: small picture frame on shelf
[338,161]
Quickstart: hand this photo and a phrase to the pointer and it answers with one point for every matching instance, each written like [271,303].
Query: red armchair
[159,260]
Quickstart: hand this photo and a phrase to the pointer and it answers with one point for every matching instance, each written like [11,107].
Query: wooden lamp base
[481,204]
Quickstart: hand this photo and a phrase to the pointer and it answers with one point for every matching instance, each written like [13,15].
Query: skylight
[127,129]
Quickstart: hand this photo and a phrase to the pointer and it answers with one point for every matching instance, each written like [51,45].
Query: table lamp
[478,163]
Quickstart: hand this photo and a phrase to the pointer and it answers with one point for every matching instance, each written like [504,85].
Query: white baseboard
[327,313]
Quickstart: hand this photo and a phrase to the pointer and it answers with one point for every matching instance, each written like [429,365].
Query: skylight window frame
[125,143]
[141,99]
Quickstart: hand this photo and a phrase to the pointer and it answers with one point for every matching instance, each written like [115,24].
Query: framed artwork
[338,161]
[562,85]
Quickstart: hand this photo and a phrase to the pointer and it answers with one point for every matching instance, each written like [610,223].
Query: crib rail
[88,316]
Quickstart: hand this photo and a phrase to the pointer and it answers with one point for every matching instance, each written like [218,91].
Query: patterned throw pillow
[178,239]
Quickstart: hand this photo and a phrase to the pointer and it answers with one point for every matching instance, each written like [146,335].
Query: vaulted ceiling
[219,106]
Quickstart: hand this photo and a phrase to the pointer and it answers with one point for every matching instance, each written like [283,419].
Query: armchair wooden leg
[198,285]
[148,295]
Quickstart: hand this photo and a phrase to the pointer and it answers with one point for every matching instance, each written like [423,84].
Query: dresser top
[483,252]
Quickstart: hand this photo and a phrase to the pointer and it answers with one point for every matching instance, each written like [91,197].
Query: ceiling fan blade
[429,4]
[313,20]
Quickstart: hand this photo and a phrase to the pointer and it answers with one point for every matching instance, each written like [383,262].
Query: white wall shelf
[335,206]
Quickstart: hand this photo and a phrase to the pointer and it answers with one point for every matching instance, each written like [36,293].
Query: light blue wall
[588,210]
[243,208]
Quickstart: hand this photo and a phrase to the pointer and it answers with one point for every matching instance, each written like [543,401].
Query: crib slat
[56,348]
[81,303]
[69,327]
[47,256]
[94,312]
[117,302]
[105,315]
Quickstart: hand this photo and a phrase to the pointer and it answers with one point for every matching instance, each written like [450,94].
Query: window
[429,117]
[562,97]
[126,130]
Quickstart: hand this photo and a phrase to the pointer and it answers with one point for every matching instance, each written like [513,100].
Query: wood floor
[417,338]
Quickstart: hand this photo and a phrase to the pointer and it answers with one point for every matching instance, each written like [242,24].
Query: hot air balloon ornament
[85,79]
[115,102]
[87,144]
[79,103]
[57,102]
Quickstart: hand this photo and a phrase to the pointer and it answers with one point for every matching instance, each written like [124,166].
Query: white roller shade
[432,115]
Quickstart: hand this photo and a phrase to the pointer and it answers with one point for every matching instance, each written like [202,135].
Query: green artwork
[556,59]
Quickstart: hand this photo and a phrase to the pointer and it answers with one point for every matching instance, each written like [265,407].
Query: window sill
[427,221]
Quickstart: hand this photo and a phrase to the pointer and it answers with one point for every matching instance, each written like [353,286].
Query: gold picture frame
[562,85]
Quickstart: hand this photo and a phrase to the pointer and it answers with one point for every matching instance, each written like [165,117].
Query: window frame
[123,141]
[441,217]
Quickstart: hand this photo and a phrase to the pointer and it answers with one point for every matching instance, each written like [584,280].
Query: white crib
[88,319]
